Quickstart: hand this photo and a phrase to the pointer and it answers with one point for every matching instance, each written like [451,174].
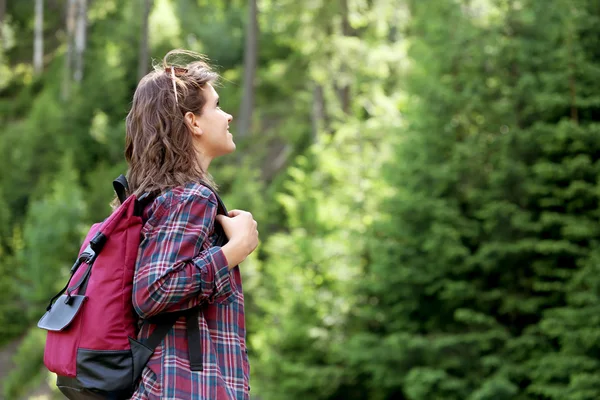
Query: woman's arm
[173,273]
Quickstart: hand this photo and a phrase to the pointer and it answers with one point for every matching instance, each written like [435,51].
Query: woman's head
[175,126]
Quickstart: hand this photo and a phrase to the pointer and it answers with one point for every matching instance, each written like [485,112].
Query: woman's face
[211,128]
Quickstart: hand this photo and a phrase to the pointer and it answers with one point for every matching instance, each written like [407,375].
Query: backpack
[92,326]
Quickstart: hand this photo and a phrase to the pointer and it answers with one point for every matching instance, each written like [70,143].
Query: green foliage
[424,174]
[28,366]
[53,222]
[494,216]
[12,322]
[311,269]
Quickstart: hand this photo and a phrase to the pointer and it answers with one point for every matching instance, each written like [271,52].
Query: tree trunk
[143,50]
[80,38]
[2,14]
[344,89]
[69,54]
[38,41]
[319,122]
[250,61]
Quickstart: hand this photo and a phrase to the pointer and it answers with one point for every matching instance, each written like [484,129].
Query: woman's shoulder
[173,198]
[192,192]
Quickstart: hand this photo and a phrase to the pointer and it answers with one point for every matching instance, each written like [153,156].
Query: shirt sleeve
[173,272]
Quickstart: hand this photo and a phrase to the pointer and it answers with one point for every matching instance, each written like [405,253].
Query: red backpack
[92,326]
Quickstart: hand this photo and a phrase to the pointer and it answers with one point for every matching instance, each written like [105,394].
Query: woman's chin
[232,147]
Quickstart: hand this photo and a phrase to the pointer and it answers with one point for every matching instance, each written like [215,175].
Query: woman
[174,130]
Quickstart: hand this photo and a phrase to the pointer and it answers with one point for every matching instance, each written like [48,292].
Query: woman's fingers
[234,213]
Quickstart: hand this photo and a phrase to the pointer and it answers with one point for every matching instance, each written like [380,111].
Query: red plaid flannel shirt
[179,267]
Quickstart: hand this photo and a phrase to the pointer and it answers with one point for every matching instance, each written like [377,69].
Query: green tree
[52,235]
[306,295]
[493,220]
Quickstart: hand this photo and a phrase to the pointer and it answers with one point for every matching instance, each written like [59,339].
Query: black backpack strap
[221,209]
[194,340]
[142,202]
[160,331]
[121,188]
[164,323]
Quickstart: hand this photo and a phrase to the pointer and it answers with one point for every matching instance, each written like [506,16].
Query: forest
[425,175]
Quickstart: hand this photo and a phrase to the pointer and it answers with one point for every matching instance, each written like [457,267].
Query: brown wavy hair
[158,144]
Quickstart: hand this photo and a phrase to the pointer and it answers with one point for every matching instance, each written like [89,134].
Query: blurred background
[425,174]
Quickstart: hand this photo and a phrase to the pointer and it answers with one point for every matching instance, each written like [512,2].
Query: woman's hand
[241,230]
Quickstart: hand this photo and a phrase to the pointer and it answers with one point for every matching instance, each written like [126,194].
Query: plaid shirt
[178,267]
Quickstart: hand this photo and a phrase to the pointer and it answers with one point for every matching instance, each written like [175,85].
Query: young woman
[174,130]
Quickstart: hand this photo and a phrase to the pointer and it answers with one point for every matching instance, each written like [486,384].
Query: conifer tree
[493,222]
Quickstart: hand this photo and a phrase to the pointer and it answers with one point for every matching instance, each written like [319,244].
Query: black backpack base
[73,390]
[106,374]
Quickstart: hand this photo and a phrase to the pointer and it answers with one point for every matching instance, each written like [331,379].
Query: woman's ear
[192,123]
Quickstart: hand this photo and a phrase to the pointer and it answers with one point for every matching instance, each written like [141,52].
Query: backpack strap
[221,209]
[164,323]
[121,188]
[194,340]
[160,331]
[142,202]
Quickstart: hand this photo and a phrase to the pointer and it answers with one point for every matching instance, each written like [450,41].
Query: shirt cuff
[224,286]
